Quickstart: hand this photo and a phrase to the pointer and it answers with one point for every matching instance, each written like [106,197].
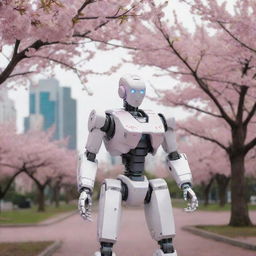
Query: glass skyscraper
[51,105]
[7,108]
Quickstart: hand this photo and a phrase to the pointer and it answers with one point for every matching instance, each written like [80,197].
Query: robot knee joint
[106,249]
[148,195]
[155,184]
[124,191]
[166,245]
[112,184]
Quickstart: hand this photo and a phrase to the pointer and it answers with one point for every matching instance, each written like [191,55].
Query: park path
[79,237]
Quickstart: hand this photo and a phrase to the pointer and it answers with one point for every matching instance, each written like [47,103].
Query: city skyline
[51,105]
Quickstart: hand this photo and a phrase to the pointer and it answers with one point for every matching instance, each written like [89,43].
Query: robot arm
[178,164]
[88,165]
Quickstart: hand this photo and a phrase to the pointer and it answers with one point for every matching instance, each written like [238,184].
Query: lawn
[28,216]
[23,249]
[178,203]
[231,231]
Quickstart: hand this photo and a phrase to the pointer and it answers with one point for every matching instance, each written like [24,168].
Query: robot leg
[159,217]
[109,216]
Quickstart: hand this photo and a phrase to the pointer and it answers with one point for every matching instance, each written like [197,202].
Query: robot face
[132,89]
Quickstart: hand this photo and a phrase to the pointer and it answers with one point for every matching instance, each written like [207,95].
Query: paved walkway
[79,237]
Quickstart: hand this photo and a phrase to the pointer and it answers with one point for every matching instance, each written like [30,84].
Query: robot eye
[133,91]
[142,91]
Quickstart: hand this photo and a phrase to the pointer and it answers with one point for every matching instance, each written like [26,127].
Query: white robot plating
[132,133]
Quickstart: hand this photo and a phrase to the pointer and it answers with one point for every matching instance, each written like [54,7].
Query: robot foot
[99,254]
[159,252]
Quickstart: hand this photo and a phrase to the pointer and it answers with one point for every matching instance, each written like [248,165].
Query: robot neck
[129,108]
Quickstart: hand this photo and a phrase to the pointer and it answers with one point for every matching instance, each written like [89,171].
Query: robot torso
[129,130]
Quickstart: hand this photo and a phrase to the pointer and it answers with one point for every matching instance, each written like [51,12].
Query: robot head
[132,89]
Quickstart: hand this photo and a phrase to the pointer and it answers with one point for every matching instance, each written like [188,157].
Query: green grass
[178,203]
[231,231]
[23,249]
[29,216]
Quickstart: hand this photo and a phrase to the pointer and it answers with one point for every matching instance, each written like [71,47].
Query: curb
[220,238]
[51,249]
[40,224]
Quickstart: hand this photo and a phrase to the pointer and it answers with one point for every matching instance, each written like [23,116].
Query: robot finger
[188,208]
[81,207]
[194,203]
[86,216]
[81,204]
[191,193]
[89,215]
[191,207]
[83,215]
[185,195]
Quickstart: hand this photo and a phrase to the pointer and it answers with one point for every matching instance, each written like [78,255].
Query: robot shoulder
[168,121]
[96,120]
[102,120]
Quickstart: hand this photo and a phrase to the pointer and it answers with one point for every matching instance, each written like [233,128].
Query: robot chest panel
[128,132]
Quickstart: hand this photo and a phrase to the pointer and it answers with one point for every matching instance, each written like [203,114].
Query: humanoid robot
[132,133]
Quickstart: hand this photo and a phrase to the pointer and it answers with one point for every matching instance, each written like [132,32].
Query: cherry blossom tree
[36,35]
[46,161]
[64,174]
[35,153]
[215,77]
[8,171]
[208,163]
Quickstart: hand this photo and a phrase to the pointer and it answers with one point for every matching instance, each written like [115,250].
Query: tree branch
[87,2]
[199,61]
[9,183]
[21,74]
[9,165]
[33,178]
[104,22]
[240,106]
[235,38]
[250,115]
[115,16]
[250,145]
[234,85]
[56,61]
[199,81]
[16,47]
[115,45]
[231,107]
[197,109]
[206,138]
[16,58]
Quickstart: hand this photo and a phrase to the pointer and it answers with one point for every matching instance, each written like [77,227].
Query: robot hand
[189,194]
[84,204]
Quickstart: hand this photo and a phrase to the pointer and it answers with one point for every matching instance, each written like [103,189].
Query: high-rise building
[7,109]
[51,105]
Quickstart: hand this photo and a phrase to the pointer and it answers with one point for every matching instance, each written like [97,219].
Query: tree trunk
[0,199]
[207,189]
[41,199]
[56,195]
[68,192]
[222,182]
[8,183]
[239,207]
